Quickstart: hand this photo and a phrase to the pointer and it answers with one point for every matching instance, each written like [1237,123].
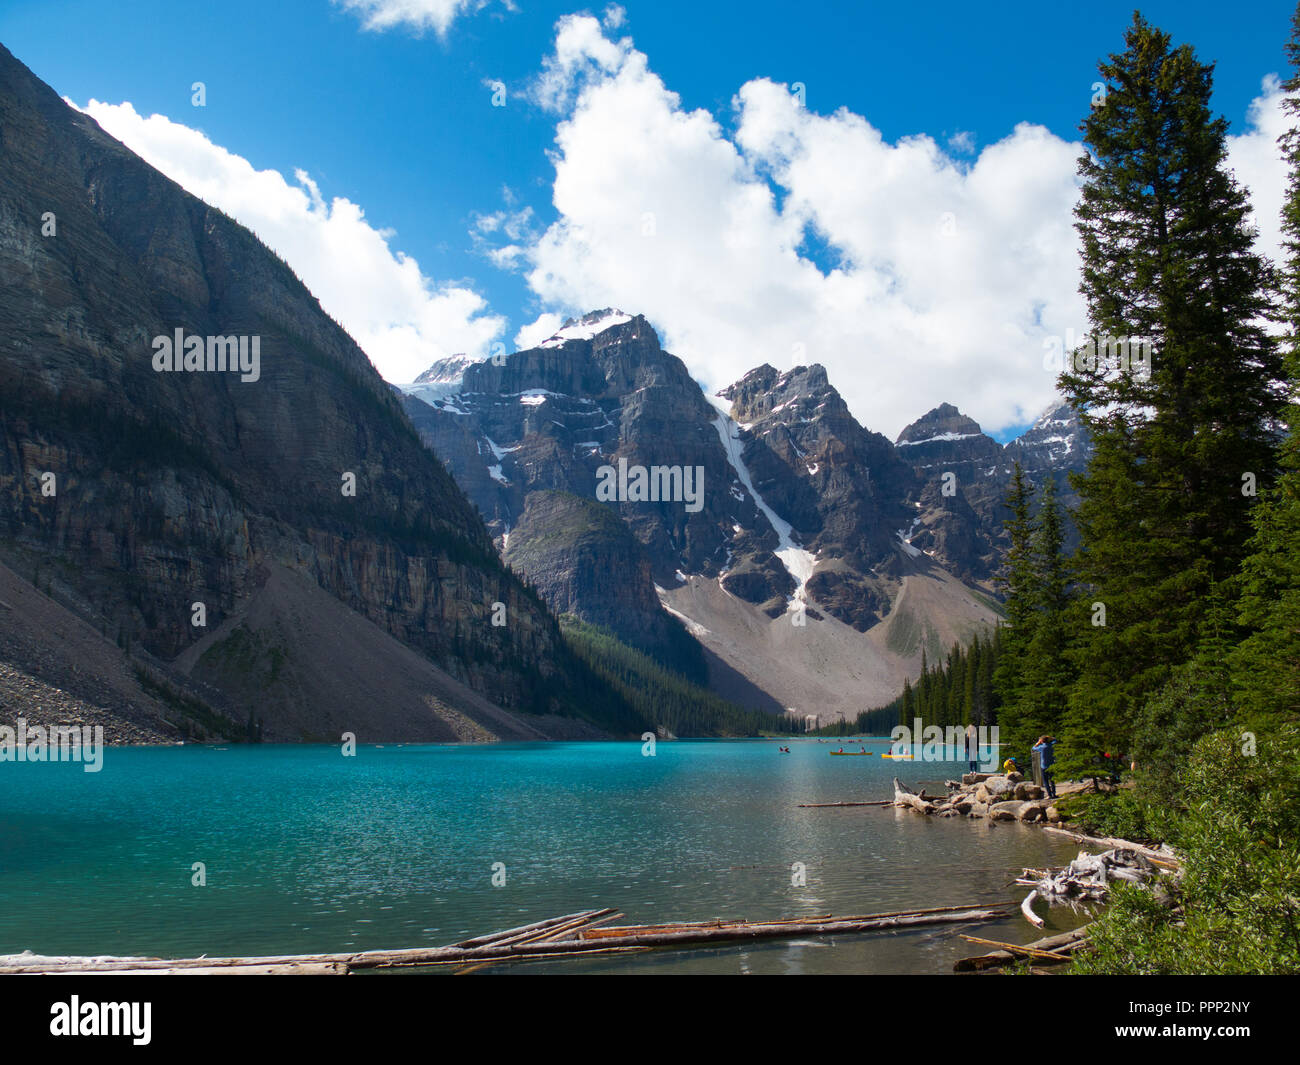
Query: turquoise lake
[307,851]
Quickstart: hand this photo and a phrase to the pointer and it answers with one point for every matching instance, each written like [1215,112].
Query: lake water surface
[308,851]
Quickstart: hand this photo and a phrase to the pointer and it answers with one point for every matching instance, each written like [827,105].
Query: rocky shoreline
[997,796]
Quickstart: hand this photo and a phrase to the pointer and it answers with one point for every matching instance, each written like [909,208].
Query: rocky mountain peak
[451,368]
[1056,442]
[801,393]
[591,325]
[944,422]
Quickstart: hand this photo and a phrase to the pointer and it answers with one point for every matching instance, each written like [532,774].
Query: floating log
[829,805]
[777,930]
[614,933]
[527,942]
[1027,908]
[560,931]
[510,933]
[1032,952]
[1066,943]
[294,969]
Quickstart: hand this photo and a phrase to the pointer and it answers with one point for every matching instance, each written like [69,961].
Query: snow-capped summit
[444,370]
[442,380]
[586,327]
[1056,441]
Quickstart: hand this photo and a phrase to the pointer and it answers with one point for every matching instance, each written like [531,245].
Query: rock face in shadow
[963,476]
[585,562]
[137,494]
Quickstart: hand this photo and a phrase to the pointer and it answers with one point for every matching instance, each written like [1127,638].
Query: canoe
[868,753]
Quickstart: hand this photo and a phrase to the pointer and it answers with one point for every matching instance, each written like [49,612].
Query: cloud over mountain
[402,319]
[913,273]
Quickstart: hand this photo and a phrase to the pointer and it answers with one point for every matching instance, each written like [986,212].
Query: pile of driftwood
[1086,879]
[576,934]
[997,796]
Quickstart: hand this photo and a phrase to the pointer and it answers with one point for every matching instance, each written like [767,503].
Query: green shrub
[1239,896]
[1125,813]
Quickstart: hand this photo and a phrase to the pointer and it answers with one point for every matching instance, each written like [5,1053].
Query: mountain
[266,549]
[814,564]
[547,420]
[964,476]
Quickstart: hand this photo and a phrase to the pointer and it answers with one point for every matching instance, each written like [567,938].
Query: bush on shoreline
[1238,902]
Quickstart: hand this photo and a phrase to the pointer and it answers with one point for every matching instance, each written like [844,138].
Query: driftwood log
[905,796]
[1052,950]
[1161,856]
[571,935]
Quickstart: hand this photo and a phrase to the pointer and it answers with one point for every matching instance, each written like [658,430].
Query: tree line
[1169,642]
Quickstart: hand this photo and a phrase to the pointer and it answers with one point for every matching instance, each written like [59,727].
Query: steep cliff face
[586,562]
[959,478]
[139,493]
[963,476]
[842,488]
[604,396]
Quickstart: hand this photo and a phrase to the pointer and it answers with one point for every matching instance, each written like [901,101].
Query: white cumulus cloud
[417,15]
[914,274]
[545,327]
[401,318]
[1256,160]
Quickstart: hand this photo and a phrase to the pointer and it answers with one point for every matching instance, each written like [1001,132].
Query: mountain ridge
[158,505]
[808,515]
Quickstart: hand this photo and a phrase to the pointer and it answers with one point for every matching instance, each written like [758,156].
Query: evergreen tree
[1167,258]
[907,705]
[1266,666]
[1018,583]
[1048,671]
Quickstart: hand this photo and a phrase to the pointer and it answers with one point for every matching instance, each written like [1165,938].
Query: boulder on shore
[1009,810]
[996,787]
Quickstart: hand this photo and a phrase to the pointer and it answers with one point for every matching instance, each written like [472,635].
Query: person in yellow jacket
[1009,766]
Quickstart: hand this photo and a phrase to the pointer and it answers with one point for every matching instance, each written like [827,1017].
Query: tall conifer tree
[1168,259]
[1266,666]
[1018,584]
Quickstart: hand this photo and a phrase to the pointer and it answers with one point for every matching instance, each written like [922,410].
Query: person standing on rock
[972,747]
[1043,748]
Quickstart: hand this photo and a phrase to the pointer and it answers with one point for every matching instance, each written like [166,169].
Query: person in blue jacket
[1046,757]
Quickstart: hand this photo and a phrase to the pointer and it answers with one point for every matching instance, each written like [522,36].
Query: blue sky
[399,122]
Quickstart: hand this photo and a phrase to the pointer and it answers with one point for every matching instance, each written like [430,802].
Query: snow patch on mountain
[693,627]
[499,452]
[586,327]
[441,381]
[798,562]
[941,436]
